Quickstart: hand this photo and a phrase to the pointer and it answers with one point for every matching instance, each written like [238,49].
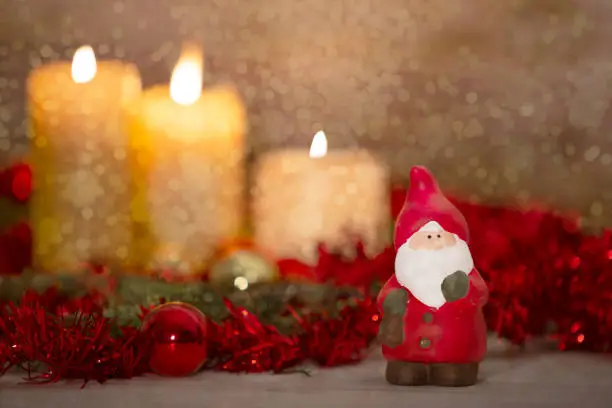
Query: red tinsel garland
[243,344]
[38,330]
[544,275]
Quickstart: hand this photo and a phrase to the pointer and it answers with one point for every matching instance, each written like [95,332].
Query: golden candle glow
[84,65]
[187,159]
[186,81]
[318,147]
[80,209]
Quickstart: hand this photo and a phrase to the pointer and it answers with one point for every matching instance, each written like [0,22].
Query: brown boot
[454,375]
[406,373]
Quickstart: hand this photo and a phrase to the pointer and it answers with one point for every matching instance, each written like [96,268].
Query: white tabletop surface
[509,378]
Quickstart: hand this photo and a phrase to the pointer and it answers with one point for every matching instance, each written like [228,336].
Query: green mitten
[391,331]
[395,302]
[455,286]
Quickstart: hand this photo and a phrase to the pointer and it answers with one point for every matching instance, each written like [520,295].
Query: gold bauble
[241,269]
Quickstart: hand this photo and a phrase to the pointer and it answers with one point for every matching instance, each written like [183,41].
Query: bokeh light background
[507,102]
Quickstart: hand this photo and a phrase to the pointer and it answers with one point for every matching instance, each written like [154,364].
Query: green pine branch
[267,301]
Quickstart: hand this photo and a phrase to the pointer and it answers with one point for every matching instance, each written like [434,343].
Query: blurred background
[507,103]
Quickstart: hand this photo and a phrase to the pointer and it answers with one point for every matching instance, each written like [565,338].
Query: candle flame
[84,66]
[318,148]
[186,82]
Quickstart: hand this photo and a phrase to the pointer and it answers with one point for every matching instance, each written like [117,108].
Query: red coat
[454,333]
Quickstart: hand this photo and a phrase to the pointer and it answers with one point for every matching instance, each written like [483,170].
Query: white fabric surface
[509,378]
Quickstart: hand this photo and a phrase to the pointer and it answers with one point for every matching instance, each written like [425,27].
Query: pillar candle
[305,198]
[187,155]
[80,204]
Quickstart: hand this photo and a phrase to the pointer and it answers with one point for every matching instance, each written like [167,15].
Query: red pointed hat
[424,203]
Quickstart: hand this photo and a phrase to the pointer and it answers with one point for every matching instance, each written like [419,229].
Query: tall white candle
[305,198]
[80,206]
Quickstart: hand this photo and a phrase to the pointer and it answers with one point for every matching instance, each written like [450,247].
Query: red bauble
[177,332]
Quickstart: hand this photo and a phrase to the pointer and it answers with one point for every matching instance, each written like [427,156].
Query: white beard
[422,271]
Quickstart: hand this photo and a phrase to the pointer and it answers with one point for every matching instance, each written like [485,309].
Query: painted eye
[429,237]
[439,236]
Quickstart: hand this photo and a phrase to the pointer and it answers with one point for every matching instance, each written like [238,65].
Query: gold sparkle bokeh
[507,102]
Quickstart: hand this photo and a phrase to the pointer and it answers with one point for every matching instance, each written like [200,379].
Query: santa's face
[430,255]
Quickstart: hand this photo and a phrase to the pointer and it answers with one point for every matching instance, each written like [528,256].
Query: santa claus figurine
[433,329]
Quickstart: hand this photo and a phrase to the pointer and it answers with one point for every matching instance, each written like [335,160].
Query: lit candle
[80,205]
[303,199]
[188,161]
